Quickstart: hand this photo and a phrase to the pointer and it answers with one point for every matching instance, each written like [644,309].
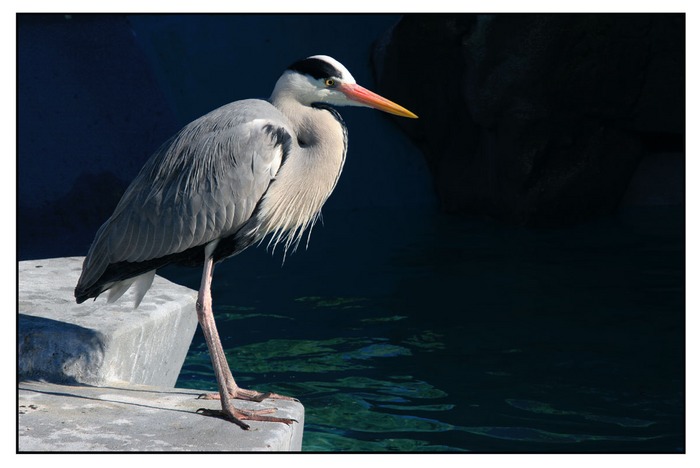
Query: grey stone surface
[56,417]
[96,343]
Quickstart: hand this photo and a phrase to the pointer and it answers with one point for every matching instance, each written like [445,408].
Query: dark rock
[538,118]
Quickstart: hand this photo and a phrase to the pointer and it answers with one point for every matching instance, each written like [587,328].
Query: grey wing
[200,186]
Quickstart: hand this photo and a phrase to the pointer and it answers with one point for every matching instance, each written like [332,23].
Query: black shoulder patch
[281,137]
[316,68]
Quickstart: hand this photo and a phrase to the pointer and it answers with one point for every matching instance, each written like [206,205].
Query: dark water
[419,332]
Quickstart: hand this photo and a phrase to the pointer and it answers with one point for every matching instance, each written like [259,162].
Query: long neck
[308,175]
[319,129]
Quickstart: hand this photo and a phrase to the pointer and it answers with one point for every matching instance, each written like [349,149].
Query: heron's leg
[217,352]
[224,379]
[234,391]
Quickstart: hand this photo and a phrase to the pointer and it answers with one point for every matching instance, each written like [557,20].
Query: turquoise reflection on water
[419,332]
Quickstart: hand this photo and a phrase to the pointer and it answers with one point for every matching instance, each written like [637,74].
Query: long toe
[252,395]
[247,395]
[259,415]
[237,416]
[240,394]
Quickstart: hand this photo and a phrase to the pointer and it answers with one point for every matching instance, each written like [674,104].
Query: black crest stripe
[316,68]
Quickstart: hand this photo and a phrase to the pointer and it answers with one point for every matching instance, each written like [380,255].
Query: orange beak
[366,97]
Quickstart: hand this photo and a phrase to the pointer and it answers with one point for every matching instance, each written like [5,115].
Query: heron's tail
[142,283]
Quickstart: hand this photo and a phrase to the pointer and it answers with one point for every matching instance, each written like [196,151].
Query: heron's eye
[330,82]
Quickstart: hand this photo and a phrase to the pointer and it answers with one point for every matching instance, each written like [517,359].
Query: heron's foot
[248,395]
[237,416]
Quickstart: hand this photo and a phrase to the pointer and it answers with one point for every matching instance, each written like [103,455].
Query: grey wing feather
[201,185]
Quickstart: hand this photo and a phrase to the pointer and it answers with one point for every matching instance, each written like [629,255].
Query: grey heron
[245,171]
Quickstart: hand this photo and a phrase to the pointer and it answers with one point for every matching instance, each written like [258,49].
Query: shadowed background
[527,119]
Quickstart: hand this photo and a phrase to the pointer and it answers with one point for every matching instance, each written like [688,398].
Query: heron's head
[323,79]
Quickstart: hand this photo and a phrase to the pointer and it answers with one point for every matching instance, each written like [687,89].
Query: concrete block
[139,418]
[96,343]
